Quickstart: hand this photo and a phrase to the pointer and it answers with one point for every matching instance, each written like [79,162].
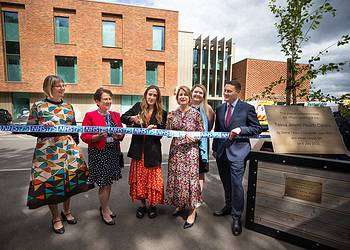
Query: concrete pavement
[21,228]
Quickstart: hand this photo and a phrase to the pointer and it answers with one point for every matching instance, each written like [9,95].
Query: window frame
[6,54]
[115,34]
[110,72]
[156,73]
[55,29]
[163,38]
[75,68]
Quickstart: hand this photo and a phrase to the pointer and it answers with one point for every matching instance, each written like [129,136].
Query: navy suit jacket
[244,117]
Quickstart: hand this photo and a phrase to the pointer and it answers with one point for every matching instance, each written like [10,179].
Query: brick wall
[256,74]
[38,49]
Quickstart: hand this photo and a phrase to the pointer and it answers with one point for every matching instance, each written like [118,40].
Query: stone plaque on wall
[304,130]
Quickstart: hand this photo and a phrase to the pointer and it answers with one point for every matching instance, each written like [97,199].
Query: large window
[196,67]
[158,37]
[62,30]
[66,68]
[116,68]
[108,33]
[151,73]
[13,62]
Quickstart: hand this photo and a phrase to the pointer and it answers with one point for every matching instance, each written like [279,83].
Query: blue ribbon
[98,129]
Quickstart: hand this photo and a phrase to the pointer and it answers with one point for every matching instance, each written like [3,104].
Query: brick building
[89,44]
[256,74]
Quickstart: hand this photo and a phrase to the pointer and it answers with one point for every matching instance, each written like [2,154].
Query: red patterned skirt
[146,183]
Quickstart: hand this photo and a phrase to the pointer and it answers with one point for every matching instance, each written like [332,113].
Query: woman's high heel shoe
[188,225]
[109,223]
[64,218]
[59,230]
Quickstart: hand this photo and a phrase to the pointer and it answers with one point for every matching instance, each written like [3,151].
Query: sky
[250,24]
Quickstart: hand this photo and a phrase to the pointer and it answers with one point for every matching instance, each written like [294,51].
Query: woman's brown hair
[186,90]
[158,105]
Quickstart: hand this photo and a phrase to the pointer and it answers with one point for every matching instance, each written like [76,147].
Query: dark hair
[235,83]
[100,91]
[5,117]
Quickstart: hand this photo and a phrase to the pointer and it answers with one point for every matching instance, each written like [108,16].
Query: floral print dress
[183,189]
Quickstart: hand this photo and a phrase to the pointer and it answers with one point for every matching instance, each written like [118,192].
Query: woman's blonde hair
[204,103]
[49,82]
[158,105]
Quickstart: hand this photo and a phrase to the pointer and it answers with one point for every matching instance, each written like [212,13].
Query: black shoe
[188,225]
[141,211]
[64,218]
[57,231]
[224,211]
[109,223]
[236,227]
[152,212]
[113,215]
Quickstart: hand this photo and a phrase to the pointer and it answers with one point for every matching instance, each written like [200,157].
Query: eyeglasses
[59,86]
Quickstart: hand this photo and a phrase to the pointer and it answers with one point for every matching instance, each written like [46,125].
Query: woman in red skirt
[146,178]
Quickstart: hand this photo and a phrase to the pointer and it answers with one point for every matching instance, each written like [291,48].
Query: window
[158,37]
[196,67]
[128,101]
[151,73]
[20,104]
[108,33]
[62,30]
[13,62]
[116,72]
[66,68]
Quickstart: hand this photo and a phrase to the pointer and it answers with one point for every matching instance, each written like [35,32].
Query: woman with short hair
[105,157]
[59,170]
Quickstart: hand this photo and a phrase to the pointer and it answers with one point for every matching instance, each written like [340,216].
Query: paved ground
[21,228]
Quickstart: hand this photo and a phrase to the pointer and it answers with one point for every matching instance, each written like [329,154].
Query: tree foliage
[296,18]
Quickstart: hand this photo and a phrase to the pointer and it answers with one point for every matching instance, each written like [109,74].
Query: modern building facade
[256,74]
[89,44]
[205,61]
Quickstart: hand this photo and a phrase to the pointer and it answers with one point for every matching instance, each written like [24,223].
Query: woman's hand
[152,126]
[118,137]
[191,139]
[99,136]
[136,119]
[48,124]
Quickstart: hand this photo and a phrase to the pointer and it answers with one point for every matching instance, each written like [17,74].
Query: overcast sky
[251,26]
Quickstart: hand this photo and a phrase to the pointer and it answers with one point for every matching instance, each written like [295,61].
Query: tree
[296,19]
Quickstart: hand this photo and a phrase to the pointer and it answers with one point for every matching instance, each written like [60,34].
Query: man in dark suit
[240,119]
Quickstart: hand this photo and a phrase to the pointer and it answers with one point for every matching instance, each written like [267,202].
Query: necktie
[228,115]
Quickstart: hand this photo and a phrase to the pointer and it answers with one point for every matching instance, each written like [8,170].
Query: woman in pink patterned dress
[183,189]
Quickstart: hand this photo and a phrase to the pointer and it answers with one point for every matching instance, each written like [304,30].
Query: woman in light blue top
[199,101]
